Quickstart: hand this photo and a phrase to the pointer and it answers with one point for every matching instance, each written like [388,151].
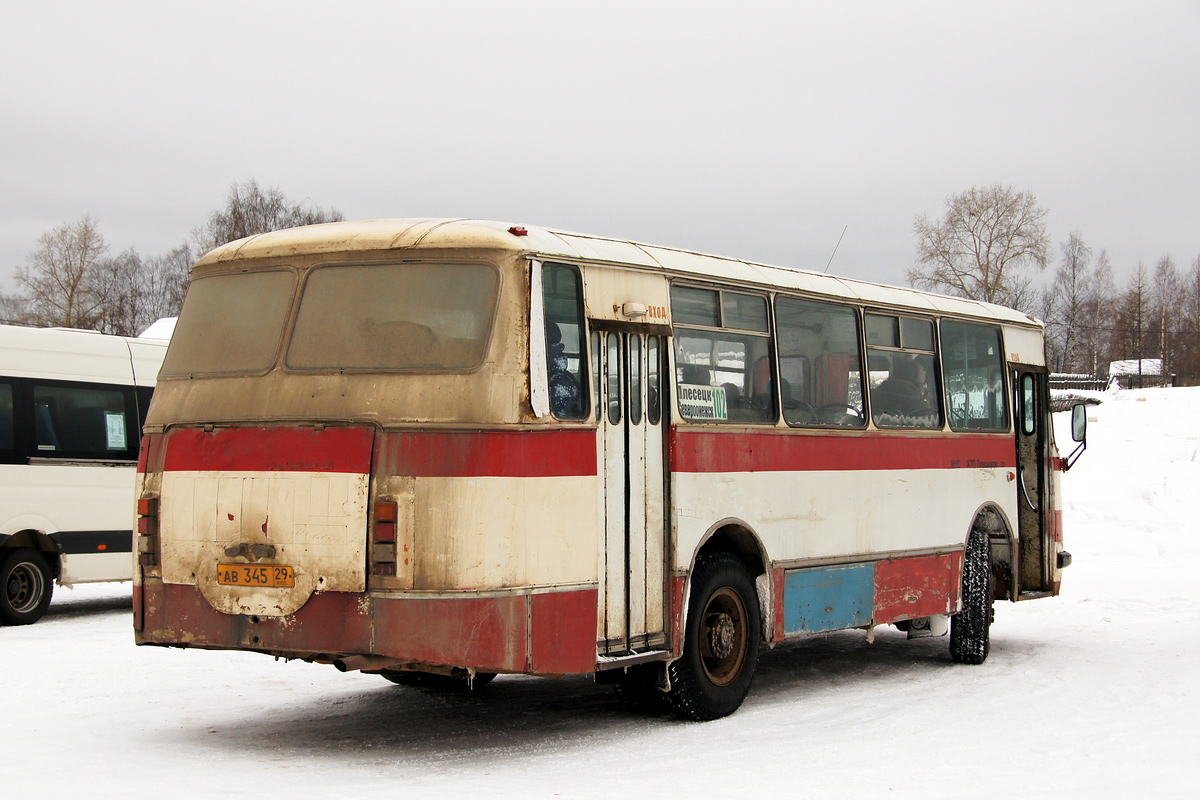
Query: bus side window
[6,416]
[562,297]
[974,376]
[903,372]
[82,420]
[820,377]
[722,348]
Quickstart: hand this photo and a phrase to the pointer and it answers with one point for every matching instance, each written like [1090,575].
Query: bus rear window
[230,324]
[385,317]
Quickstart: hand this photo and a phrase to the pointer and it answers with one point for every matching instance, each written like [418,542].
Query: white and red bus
[461,448]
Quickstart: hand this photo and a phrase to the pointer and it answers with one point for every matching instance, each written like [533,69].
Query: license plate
[269,575]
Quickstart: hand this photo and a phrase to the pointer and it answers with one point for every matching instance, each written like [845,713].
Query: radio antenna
[835,249]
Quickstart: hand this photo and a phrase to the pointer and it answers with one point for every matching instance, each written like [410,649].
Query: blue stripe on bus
[828,598]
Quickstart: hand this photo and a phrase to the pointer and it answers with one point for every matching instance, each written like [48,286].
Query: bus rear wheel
[721,637]
[970,628]
[25,586]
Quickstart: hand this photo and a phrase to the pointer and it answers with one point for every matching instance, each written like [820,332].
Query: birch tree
[977,249]
[59,278]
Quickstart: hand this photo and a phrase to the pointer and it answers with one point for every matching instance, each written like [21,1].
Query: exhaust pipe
[356,663]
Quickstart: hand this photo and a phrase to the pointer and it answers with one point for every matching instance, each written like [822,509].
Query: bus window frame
[284,336]
[768,334]
[937,390]
[306,273]
[857,314]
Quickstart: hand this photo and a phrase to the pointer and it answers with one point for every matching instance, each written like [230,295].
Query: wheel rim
[723,636]
[24,588]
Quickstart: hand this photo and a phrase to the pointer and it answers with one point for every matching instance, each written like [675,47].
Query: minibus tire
[721,637]
[970,635]
[25,586]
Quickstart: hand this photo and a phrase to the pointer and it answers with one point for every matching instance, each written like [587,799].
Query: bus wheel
[721,637]
[969,628]
[25,586]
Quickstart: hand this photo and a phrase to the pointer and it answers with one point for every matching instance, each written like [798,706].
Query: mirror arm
[1070,460]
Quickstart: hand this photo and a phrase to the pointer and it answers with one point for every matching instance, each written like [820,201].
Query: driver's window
[820,372]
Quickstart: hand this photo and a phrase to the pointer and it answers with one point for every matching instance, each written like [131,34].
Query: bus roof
[402,234]
[70,354]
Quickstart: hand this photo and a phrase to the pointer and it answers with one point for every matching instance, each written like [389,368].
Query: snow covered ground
[1091,694]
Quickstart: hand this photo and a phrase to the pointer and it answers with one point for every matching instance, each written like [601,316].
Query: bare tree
[14,309]
[1189,364]
[60,275]
[1100,312]
[119,284]
[250,210]
[986,235]
[167,277]
[1133,313]
[1166,297]
[1072,291]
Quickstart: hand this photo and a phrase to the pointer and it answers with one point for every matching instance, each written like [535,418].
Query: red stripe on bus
[729,451]
[282,449]
[505,454]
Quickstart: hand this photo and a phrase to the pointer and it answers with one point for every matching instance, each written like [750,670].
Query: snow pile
[1091,694]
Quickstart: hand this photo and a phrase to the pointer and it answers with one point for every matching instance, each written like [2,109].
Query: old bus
[71,409]
[462,448]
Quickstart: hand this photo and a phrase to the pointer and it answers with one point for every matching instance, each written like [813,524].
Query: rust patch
[563,632]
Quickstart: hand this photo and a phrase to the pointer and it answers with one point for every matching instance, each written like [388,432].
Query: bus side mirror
[1079,422]
[1078,433]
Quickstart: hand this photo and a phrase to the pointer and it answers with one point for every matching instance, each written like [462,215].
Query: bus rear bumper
[539,633]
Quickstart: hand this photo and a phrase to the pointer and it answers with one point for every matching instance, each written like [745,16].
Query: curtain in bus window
[562,299]
[820,375]
[394,317]
[973,373]
[230,324]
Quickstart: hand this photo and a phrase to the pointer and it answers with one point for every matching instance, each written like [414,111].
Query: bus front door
[628,373]
[1036,547]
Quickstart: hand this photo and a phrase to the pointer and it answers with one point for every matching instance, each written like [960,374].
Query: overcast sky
[758,130]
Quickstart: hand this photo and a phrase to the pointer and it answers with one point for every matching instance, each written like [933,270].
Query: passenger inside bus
[902,393]
[564,389]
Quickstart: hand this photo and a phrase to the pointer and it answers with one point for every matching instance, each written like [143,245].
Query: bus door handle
[1025,491]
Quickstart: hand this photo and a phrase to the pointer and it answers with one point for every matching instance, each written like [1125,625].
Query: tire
[25,586]
[431,680]
[970,627]
[720,646]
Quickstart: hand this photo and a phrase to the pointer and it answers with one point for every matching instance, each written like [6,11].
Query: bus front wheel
[970,628]
[25,586]
[721,637]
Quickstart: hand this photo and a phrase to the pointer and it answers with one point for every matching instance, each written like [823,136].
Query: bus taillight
[383,538]
[147,528]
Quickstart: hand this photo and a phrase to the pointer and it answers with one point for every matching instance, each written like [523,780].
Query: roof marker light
[517,230]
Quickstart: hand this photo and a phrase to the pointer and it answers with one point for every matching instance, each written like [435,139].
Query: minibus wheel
[970,628]
[25,586]
[721,638]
